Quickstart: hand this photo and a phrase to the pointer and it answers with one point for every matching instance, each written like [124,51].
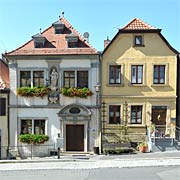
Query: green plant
[152,127]
[119,151]
[142,146]
[79,92]
[31,92]
[33,138]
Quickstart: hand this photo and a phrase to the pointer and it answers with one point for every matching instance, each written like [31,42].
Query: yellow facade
[4,128]
[154,51]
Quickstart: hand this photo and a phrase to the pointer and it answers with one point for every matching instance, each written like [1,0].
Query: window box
[33,138]
[32,92]
[79,92]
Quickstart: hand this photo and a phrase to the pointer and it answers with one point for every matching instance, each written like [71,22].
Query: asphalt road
[139,173]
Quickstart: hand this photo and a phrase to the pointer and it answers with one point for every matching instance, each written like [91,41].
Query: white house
[57,58]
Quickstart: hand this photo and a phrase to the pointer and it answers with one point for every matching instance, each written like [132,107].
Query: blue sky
[20,19]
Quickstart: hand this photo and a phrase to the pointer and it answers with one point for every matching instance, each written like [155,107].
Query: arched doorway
[74,127]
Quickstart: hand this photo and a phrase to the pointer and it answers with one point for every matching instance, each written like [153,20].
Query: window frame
[116,119]
[159,74]
[31,77]
[136,114]
[32,126]
[76,76]
[115,73]
[135,40]
[137,74]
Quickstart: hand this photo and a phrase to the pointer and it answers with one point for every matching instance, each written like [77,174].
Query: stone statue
[54,79]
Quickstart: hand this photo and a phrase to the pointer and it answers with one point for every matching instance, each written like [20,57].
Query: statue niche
[53,95]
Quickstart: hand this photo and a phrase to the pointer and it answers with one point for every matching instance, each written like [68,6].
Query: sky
[21,19]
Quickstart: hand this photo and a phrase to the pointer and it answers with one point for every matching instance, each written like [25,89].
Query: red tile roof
[4,75]
[56,44]
[138,24]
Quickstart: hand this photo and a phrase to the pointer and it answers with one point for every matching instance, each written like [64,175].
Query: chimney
[106,42]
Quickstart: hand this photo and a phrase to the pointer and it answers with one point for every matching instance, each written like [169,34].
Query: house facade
[139,77]
[52,88]
[4,118]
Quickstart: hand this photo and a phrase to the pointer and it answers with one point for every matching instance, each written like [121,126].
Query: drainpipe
[100,101]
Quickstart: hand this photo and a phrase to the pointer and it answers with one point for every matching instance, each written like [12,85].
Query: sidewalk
[93,161]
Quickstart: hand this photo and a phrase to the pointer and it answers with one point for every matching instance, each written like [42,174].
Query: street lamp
[97,89]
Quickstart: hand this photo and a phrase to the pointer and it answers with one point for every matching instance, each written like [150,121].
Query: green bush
[31,92]
[33,138]
[119,151]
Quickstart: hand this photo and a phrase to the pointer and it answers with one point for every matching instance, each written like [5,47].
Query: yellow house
[139,73]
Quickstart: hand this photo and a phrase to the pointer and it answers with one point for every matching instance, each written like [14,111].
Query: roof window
[39,40]
[58,27]
[72,40]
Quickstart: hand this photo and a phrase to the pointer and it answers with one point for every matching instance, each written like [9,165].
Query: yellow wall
[155,51]
[4,127]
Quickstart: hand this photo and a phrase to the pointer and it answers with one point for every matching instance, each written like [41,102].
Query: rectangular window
[76,79]
[136,114]
[114,74]
[159,74]
[82,79]
[69,79]
[114,114]
[36,77]
[138,40]
[33,126]
[39,44]
[2,106]
[39,126]
[25,78]
[137,74]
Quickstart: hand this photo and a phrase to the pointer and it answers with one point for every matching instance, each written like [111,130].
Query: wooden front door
[74,137]
[159,119]
[159,115]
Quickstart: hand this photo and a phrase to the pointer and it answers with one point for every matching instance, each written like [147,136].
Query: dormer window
[39,40]
[138,40]
[72,40]
[58,27]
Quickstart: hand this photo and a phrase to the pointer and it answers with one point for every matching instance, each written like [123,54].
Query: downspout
[8,124]
[178,98]
[100,101]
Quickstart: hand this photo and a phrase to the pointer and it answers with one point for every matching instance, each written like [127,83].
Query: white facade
[56,120]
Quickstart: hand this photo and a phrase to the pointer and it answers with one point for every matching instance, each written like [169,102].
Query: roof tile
[138,24]
[56,44]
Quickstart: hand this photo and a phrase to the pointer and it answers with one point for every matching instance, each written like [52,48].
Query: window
[82,79]
[39,44]
[72,44]
[33,126]
[114,114]
[137,74]
[76,79]
[136,114]
[114,74]
[138,40]
[26,77]
[159,74]
[58,31]
[69,79]
[38,78]
[2,106]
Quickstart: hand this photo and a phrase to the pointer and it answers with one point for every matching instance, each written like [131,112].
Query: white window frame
[75,70]
[31,70]
[33,119]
